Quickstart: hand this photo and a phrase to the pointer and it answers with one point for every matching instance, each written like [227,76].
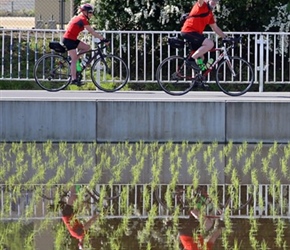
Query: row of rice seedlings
[158,158]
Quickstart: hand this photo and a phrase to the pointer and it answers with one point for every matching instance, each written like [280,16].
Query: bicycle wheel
[109,73]
[174,76]
[53,193]
[234,76]
[108,192]
[235,199]
[52,72]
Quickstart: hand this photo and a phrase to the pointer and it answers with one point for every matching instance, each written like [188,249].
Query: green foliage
[234,15]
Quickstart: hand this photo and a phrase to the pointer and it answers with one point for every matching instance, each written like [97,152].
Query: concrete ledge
[146,120]
[47,120]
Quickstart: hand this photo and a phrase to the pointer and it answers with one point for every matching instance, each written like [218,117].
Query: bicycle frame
[222,55]
[96,52]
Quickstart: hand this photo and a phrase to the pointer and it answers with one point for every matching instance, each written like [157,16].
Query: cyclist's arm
[90,222]
[217,30]
[93,32]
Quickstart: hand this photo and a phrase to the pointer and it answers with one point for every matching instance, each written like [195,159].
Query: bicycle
[90,196]
[184,197]
[234,75]
[108,72]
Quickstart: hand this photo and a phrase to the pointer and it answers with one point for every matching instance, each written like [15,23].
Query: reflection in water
[141,217]
[140,234]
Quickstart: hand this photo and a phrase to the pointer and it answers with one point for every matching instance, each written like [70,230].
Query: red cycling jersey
[198,24]
[189,244]
[75,26]
[74,226]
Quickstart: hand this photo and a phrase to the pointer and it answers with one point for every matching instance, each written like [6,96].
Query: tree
[233,15]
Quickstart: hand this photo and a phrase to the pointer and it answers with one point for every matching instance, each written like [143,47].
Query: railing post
[261,67]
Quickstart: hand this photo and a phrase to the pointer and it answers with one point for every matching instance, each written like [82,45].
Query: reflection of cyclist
[70,38]
[198,241]
[199,17]
[74,226]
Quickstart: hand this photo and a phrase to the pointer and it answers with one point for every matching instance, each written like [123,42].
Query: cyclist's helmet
[87,7]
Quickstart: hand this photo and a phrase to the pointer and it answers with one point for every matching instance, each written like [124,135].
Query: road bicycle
[185,198]
[234,75]
[89,196]
[108,72]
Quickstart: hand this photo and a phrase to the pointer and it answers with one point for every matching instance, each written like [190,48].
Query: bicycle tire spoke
[52,72]
[235,77]
[109,73]
[174,76]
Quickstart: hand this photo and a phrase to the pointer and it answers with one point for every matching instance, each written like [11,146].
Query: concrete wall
[118,121]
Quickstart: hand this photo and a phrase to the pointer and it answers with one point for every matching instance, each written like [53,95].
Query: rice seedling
[108,164]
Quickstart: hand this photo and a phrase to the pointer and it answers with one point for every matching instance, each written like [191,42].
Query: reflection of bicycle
[89,196]
[108,72]
[234,75]
[184,197]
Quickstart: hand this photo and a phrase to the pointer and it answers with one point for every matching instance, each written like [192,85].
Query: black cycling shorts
[67,210]
[70,44]
[195,39]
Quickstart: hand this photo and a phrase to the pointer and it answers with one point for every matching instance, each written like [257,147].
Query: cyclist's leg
[213,237]
[199,43]
[206,46]
[83,47]
[71,46]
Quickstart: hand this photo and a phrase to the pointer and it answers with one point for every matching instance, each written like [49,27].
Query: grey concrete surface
[149,116]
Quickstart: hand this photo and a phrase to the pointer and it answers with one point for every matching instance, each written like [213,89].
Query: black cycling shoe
[77,82]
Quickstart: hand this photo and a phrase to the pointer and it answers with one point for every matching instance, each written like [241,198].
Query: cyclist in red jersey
[192,30]
[198,242]
[70,38]
[73,225]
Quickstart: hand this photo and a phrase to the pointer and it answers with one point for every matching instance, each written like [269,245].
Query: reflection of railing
[136,201]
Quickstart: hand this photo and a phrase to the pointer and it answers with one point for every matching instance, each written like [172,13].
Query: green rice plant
[234,188]
[242,151]
[194,172]
[193,151]
[157,162]
[279,229]
[60,237]
[208,153]
[273,150]
[265,165]
[226,150]
[47,148]
[254,177]
[213,188]
[168,146]
[229,166]
[264,245]
[284,167]
[137,169]
[237,245]
[146,197]
[123,198]
[29,242]
[252,158]
[253,231]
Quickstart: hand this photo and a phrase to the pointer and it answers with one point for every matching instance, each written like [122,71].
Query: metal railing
[265,201]
[143,51]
